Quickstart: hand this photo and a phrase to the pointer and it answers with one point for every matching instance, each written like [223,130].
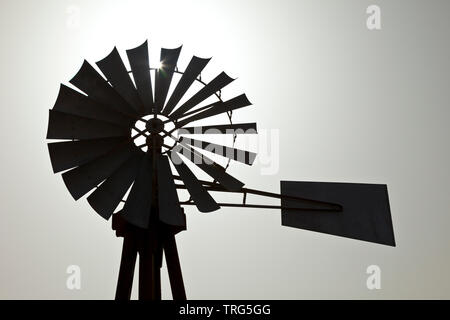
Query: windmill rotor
[99,125]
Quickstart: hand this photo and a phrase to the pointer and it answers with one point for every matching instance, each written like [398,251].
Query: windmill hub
[154,132]
[155,125]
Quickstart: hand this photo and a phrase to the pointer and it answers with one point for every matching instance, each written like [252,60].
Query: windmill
[101,124]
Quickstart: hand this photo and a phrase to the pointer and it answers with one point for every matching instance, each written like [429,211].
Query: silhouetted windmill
[102,125]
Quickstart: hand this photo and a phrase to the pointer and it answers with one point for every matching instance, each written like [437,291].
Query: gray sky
[349,104]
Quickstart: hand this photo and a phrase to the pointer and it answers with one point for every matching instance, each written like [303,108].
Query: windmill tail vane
[122,136]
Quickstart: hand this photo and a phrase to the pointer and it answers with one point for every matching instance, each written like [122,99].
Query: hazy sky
[349,105]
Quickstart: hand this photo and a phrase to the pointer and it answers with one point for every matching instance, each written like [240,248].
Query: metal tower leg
[174,268]
[127,264]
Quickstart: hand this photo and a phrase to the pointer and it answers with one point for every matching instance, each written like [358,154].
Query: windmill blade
[221,107]
[210,167]
[238,128]
[164,74]
[82,179]
[193,70]
[66,126]
[201,197]
[242,156]
[105,199]
[115,71]
[92,83]
[138,204]
[365,216]
[170,211]
[69,154]
[211,88]
[73,102]
[140,66]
